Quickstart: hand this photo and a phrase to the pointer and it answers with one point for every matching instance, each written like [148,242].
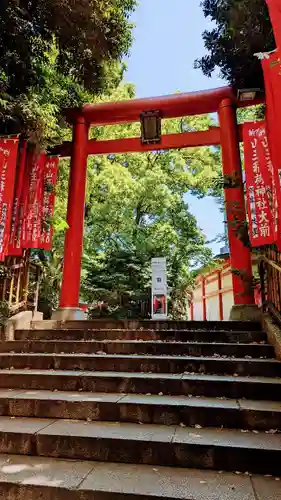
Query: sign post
[159,288]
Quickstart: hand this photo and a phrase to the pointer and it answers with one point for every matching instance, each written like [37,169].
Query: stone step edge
[257,344]
[214,437]
[245,337]
[254,388]
[60,479]
[140,399]
[136,333]
[126,330]
[140,357]
[143,323]
[246,415]
[206,448]
[140,375]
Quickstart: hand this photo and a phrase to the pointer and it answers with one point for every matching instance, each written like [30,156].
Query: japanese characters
[260,185]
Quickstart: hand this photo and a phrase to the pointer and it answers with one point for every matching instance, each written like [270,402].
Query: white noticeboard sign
[159,288]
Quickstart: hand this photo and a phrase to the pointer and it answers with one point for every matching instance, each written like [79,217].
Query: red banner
[32,224]
[49,182]
[259,183]
[8,163]
[21,226]
[271,69]
[274,7]
[14,247]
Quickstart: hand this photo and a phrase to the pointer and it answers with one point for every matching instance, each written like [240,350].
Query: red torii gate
[221,100]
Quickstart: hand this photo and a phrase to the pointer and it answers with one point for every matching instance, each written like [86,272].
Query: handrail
[270,276]
[270,262]
[15,286]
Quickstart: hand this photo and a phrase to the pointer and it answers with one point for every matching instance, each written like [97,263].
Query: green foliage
[243,28]
[251,113]
[56,54]
[120,278]
[89,35]
[51,265]
[38,114]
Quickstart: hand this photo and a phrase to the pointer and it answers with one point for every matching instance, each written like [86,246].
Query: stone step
[179,335]
[139,347]
[34,478]
[148,409]
[111,324]
[207,448]
[137,363]
[255,388]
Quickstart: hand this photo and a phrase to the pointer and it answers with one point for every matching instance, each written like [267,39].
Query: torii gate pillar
[73,246]
[240,254]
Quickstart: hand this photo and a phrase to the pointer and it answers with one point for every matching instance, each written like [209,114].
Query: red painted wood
[240,255]
[75,217]
[172,141]
[171,106]
[209,137]
[204,299]
[275,16]
[214,294]
[220,296]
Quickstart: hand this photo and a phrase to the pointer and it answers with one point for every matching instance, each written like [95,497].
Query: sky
[167,41]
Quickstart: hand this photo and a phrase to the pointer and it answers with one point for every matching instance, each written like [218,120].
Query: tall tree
[87,33]
[58,47]
[243,28]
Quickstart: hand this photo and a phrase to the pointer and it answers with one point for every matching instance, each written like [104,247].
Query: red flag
[259,184]
[49,182]
[271,69]
[33,215]
[274,7]
[14,247]
[8,163]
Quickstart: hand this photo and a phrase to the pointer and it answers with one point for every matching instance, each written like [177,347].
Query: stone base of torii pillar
[69,314]
[245,312]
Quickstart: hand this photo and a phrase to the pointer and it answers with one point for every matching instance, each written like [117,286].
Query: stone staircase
[190,413]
